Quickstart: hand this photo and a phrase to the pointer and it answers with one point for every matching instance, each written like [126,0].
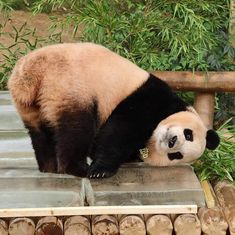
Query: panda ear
[212,139]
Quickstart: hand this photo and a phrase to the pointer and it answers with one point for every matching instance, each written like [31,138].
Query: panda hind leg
[42,139]
[74,137]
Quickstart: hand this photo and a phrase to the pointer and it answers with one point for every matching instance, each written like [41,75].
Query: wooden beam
[98,210]
[199,81]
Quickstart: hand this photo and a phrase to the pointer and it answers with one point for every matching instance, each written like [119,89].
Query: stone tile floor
[22,185]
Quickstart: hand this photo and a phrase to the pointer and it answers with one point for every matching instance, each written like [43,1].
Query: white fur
[174,125]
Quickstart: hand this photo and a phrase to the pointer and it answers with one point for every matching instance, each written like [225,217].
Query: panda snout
[172,141]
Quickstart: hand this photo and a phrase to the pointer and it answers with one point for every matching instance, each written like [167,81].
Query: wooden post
[204,105]
[158,224]
[232,23]
[104,224]
[187,224]
[132,225]
[22,226]
[225,193]
[77,225]
[49,226]
[3,227]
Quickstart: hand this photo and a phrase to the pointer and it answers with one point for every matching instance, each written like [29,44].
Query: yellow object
[210,201]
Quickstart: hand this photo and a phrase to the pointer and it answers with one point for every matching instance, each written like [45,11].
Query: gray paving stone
[144,185]
[22,185]
[5,98]
[31,189]
[16,150]
[9,118]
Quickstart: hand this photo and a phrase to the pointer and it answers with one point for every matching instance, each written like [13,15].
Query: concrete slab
[23,186]
[145,185]
[5,98]
[16,150]
[32,189]
[9,118]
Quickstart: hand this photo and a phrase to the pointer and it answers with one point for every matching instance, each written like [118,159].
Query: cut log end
[187,224]
[132,225]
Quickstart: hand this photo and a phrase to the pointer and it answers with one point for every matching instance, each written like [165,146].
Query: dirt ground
[40,22]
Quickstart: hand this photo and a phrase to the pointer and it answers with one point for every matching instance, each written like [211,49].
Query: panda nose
[172,141]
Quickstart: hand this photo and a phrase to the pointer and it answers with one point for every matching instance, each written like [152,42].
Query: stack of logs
[218,218]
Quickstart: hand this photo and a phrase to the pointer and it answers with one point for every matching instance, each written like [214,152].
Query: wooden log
[187,224]
[212,221]
[199,81]
[49,226]
[104,225]
[204,105]
[225,193]
[3,227]
[132,225]
[76,225]
[21,226]
[158,224]
[211,217]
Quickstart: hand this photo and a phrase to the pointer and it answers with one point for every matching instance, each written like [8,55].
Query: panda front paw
[99,170]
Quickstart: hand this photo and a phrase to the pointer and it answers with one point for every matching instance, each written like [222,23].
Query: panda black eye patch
[188,134]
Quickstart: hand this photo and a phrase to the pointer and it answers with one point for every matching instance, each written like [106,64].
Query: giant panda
[180,138]
[81,99]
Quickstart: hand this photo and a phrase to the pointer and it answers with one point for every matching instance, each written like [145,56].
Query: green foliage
[23,40]
[158,35]
[4,6]
[219,163]
[16,4]
[226,108]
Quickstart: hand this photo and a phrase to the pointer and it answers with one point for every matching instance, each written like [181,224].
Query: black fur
[176,155]
[131,124]
[212,139]
[74,137]
[188,134]
[44,147]
[64,149]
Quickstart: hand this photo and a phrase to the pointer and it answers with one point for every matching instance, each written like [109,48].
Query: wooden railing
[204,84]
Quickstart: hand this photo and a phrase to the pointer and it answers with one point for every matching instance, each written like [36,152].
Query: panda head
[180,138]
